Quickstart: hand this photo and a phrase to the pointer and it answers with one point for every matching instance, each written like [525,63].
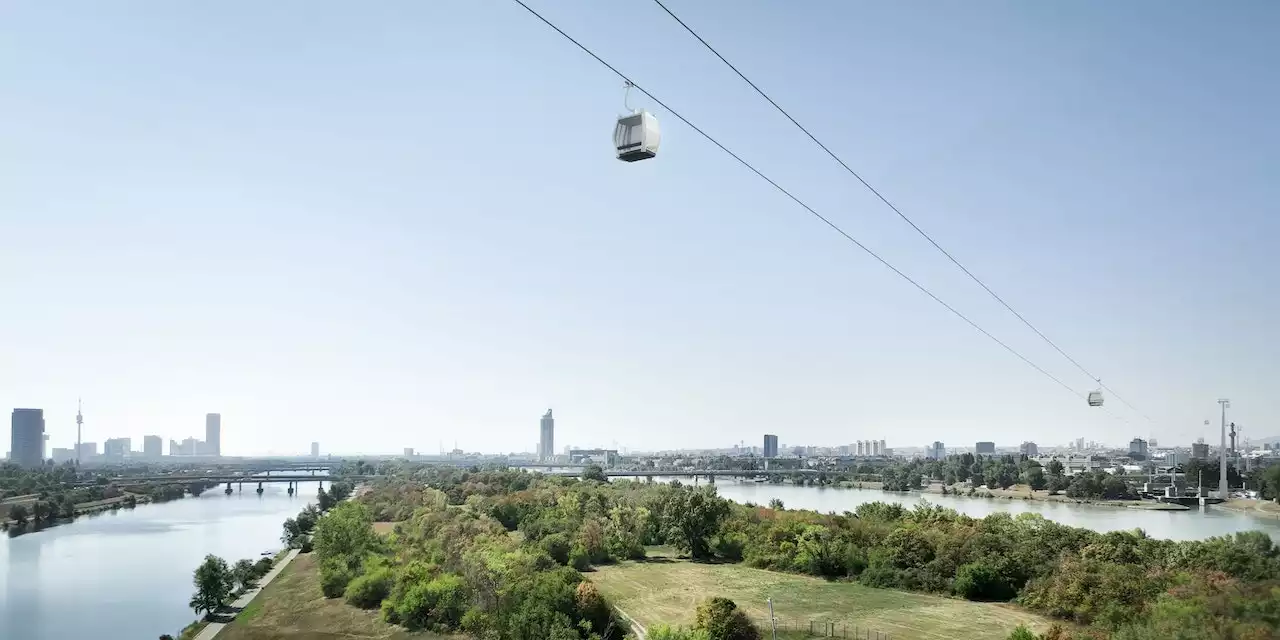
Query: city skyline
[347,271]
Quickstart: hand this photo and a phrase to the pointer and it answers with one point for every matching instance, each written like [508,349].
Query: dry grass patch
[663,590]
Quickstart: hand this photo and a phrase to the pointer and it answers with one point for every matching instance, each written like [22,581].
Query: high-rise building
[547,437]
[882,450]
[1199,450]
[1079,444]
[61,455]
[152,446]
[87,450]
[26,437]
[116,448]
[408,452]
[984,447]
[1029,449]
[1138,447]
[770,445]
[315,449]
[213,434]
[937,451]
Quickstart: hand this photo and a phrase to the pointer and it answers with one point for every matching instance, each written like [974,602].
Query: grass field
[292,608]
[664,590]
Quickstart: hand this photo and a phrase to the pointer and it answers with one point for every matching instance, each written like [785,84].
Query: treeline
[1120,583]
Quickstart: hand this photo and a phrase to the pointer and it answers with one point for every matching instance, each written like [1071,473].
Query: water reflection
[127,573]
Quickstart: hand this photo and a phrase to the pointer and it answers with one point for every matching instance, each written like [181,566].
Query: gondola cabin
[637,136]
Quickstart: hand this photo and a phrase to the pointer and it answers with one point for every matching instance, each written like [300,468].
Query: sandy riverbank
[1262,508]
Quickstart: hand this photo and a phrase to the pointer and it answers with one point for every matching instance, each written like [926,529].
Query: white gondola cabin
[637,136]
[1095,398]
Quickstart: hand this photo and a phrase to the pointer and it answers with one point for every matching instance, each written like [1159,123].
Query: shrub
[439,602]
[721,619]
[334,577]
[664,632]
[980,581]
[370,589]
[557,546]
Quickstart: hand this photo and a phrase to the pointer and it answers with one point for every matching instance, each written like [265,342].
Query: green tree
[721,619]
[594,472]
[213,581]
[776,504]
[19,513]
[244,572]
[324,499]
[1034,477]
[691,516]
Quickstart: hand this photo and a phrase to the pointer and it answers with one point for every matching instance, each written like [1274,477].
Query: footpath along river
[127,574]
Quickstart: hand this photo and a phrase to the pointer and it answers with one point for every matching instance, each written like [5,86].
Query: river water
[127,574]
[1195,524]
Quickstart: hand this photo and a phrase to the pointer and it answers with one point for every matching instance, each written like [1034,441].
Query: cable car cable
[889,204]
[800,202]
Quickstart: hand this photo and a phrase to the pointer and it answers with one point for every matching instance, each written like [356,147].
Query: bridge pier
[240,488]
[290,487]
[228,491]
[259,488]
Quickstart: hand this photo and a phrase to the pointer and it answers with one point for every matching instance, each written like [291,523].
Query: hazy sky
[391,224]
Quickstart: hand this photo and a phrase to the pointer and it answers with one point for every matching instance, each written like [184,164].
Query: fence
[796,629]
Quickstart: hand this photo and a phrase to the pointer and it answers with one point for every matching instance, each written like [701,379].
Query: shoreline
[1022,492]
[1259,508]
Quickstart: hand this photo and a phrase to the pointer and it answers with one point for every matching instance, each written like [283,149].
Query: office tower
[770,445]
[547,438]
[882,450]
[315,449]
[1029,449]
[1138,447]
[408,452]
[213,434]
[152,446]
[86,450]
[60,455]
[985,448]
[26,437]
[937,451]
[116,448]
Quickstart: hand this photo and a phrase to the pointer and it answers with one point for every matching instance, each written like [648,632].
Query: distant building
[882,450]
[984,447]
[152,446]
[603,457]
[188,447]
[844,449]
[1138,448]
[937,451]
[770,446]
[408,452]
[213,434]
[88,450]
[116,448]
[315,449]
[1200,450]
[1029,449]
[547,437]
[1079,444]
[61,455]
[26,437]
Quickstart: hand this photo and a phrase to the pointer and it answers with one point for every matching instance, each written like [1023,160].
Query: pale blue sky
[391,224]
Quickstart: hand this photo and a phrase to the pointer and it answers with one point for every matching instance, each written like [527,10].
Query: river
[1195,524]
[127,573]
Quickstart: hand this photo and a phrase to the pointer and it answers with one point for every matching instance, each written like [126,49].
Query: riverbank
[1261,508]
[292,606]
[241,605]
[667,590]
[1023,492]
